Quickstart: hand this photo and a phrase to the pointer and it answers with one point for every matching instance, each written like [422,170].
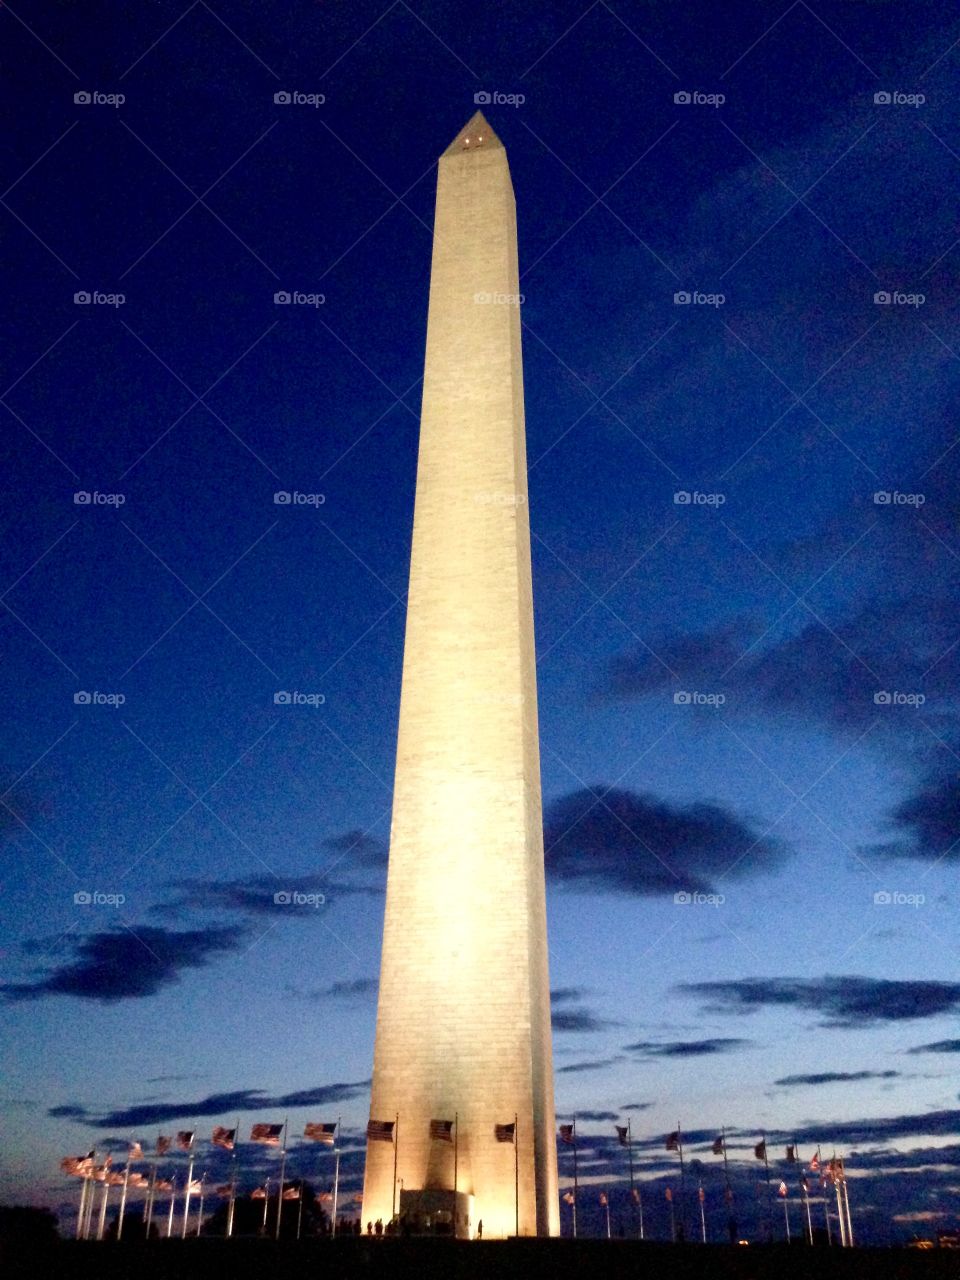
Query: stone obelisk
[463,1022]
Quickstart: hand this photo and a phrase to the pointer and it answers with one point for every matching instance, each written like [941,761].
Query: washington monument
[462,1114]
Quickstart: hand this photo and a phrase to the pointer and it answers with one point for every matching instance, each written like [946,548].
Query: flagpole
[633,1191]
[456,1157]
[607,1207]
[300,1209]
[836,1190]
[823,1196]
[233,1179]
[576,1184]
[846,1200]
[151,1192]
[396,1149]
[673,1218]
[186,1197]
[83,1205]
[804,1189]
[266,1203]
[101,1221]
[123,1197]
[766,1165]
[786,1218]
[336,1178]
[203,1178]
[283,1166]
[683,1194]
[173,1201]
[516,1172]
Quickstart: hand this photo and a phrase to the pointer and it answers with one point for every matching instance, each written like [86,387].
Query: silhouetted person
[369,1228]
[378,1227]
[480,1229]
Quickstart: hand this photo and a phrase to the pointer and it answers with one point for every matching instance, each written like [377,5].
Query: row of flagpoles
[155,1188]
[830,1173]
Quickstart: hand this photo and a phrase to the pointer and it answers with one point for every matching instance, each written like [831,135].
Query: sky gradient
[744,519]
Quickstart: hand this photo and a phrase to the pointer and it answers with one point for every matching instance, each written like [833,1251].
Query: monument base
[437,1212]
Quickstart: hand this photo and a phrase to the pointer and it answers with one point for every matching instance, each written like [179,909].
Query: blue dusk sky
[738,253]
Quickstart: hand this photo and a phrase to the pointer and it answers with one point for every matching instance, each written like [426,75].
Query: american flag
[224,1137]
[259,1193]
[701,1194]
[185,1139]
[325,1197]
[136,1152]
[622,1132]
[325,1133]
[782,1189]
[718,1146]
[815,1164]
[603,1198]
[567,1134]
[568,1197]
[380,1130]
[442,1129]
[163,1185]
[292,1193]
[635,1195]
[267,1133]
[163,1145]
[226,1190]
[505,1132]
[669,1193]
[791,1155]
[760,1150]
[673,1141]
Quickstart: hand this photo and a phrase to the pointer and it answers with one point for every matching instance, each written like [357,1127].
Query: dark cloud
[685,1048]
[841,1001]
[578,1068]
[817,674]
[624,842]
[578,1020]
[563,995]
[930,1124]
[215,1104]
[120,964]
[926,826]
[348,989]
[938,1046]
[835,1077]
[597,1116]
[636,1106]
[266,895]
